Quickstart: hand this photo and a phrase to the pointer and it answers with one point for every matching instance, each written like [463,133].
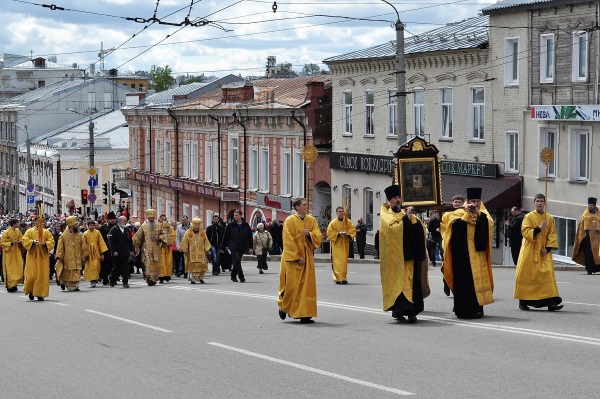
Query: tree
[161,78]
[184,80]
[311,69]
[285,67]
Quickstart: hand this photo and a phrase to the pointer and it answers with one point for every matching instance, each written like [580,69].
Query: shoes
[192,282]
[553,308]
[12,289]
[202,281]
[235,280]
[215,274]
[76,289]
[478,315]
[589,273]
[40,298]
[446,289]
[260,271]
[242,280]
[184,275]
[93,284]
[30,296]
[344,282]
[151,282]
[112,283]
[282,314]
[125,285]
[412,319]
[523,307]
[338,282]
[306,320]
[57,282]
[62,287]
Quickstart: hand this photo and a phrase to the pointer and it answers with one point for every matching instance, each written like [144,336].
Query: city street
[225,340]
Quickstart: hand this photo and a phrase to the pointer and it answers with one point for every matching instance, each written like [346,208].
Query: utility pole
[91,156]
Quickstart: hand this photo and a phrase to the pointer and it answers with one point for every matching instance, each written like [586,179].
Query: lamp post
[400,79]
[28,145]
[92,152]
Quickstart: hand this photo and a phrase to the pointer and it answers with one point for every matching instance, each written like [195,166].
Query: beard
[396,208]
[152,224]
[594,210]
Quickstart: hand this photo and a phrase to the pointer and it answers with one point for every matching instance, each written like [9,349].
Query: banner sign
[589,112]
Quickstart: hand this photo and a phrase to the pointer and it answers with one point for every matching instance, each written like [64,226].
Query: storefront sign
[566,112]
[469,168]
[362,163]
[233,196]
[274,201]
[190,187]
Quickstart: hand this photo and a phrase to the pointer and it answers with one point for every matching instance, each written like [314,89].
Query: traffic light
[113,188]
[105,189]
[84,195]
[112,201]
[105,200]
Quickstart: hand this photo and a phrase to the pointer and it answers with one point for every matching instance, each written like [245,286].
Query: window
[548,138]
[566,230]
[368,196]
[148,201]
[186,210]
[157,157]
[547,58]
[347,199]
[233,162]
[369,113]
[511,66]
[41,83]
[580,57]
[286,173]
[580,144]
[446,114]
[168,165]
[419,112]
[347,100]
[253,183]
[168,212]
[194,160]
[147,153]
[108,101]
[194,211]
[477,112]
[299,175]
[512,152]
[264,170]
[186,159]
[392,113]
[91,100]
[208,162]
[159,206]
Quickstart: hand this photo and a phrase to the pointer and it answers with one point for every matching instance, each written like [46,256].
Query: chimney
[112,72]
[237,92]
[315,90]
[135,99]
[39,62]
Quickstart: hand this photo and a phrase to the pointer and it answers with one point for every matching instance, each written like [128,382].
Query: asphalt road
[225,340]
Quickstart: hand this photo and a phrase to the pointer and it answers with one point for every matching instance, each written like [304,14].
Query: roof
[9,60]
[526,4]
[469,33]
[166,97]
[272,93]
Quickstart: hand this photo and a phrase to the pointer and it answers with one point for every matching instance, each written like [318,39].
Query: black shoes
[260,271]
[242,280]
[30,296]
[338,282]
[523,307]
[235,280]
[553,308]
[306,320]
[478,315]
[202,281]
[192,282]
[151,282]
[62,287]
[282,314]
[12,289]
[412,319]
[76,289]
[184,275]
[446,289]
[344,282]
[40,298]
[125,285]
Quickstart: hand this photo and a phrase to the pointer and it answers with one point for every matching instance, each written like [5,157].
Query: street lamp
[400,79]
[92,151]
[28,145]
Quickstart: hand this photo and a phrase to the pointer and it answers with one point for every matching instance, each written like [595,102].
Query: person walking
[361,237]
[178,261]
[215,233]
[121,249]
[166,249]
[262,241]
[340,233]
[237,241]
[513,230]
[12,261]
[96,246]
[71,251]
[106,265]
[275,229]
[38,242]
[458,201]
[196,248]
[149,239]
[586,251]
[434,228]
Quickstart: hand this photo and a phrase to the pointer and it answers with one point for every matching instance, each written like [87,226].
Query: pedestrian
[467,260]
[297,278]
[96,247]
[71,251]
[178,261]
[458,201]
[237,241]
[215,233]
[403,264]
[361,237]
[586,251]
[376,244]
[121,249]
[38,242]
[149,239]
[434,229]
[275,229]
[106,265]
[166,248]
[340,233]
[513,232]
[196,249]
[12,261]
[535,283]
[262,241]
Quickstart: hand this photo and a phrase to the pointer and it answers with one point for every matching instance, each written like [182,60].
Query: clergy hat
[592,200]
[151,213]
[111,215]
[197,222]
[474,192]
[392,191]
[71,221]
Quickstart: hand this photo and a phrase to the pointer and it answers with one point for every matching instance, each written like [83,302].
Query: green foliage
[285,67]
[161,78]
[184,80]
[311,69]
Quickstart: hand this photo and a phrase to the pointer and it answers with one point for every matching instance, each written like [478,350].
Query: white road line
[129,321]
[58,303]
[581,303]
[314,370]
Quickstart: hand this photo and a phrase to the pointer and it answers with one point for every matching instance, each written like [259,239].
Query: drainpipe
[177,201]
[218,156]
[150,155]
[245,160]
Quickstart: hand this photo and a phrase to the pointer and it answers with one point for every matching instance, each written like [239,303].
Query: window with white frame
[168,164]
[233,162]
[209,216]
[186,159]
[208,162]
[253,183]
[566,231]
[477,113]
[347,112]
[159,205]
[548,138]
[147,153]
[298,174]
[579,69]
[157,157]
[580,154]
[194,211]
[419,112]
[368,211]
[186,210]
[369,113]
[512,151]
[392,113]
[511,64]
[168,211]
[347,199]
[286,173]
[446,114]
[265,168]
[547,58]
[194,160]
[148,201]
[134,152]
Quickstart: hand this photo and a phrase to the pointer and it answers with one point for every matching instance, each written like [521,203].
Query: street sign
[93,182]
[92,197]
[30,199]
[92,171]
[30,187]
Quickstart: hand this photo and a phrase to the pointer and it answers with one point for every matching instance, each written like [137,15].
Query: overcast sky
[238,38]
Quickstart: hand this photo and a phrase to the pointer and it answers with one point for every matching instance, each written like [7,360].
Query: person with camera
[467,244]
[262,241]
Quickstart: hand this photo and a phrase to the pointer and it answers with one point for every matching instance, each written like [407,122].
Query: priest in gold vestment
[166,249]
[12,261]
[195,247]
[340,232]
[96,248]
[297,279]
[39,243]
[70,253]
[535,283]
[467,242]
[586,251]
[403,259]
[149,239]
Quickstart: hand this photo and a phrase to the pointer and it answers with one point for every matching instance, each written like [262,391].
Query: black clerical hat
[474,192]
[592,200]
[392,191]
[111,215]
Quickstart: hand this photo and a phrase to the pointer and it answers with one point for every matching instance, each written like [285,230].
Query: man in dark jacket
[436,236]
[276,234]
[121,248]
[513,230]
[106,265]
[237,241]
[361,237]
[215,232]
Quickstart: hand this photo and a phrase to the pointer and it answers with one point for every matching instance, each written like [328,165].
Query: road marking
[581,303]
[58,303]
[128,321]
[314,370]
